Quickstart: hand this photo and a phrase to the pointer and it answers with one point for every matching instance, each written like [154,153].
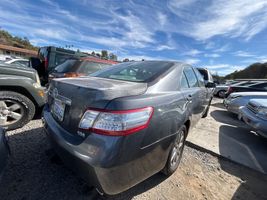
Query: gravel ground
[33,173]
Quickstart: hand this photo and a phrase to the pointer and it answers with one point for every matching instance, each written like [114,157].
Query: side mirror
[210,85]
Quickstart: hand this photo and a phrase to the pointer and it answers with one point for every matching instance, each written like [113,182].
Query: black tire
[27,108]
[170,167]
[221,93]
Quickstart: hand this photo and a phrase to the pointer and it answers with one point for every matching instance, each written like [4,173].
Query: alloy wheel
[177,149]
[10,112]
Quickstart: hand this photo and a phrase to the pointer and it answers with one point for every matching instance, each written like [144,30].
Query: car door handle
[189,98]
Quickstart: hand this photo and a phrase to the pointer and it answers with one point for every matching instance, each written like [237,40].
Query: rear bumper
[231,107]
[111,164]
[4,151]
[258,124]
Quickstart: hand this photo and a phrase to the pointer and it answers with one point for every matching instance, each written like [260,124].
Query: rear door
[193,94]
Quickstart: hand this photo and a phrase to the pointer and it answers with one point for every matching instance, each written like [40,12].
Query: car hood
[9,69]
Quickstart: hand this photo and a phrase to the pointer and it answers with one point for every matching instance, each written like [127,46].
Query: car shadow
[33,172]
[242,146]
[226,117]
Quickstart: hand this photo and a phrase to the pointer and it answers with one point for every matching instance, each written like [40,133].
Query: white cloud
[162,18]
[243,54]
[192,52]
[191,61]
[212,55]
[236,18]
[164,47]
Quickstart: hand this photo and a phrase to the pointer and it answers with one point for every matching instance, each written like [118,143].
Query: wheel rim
[177,149]
[10,112]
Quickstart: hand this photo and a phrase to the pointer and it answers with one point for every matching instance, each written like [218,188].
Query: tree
[93,53]
[112,56]
[104,54]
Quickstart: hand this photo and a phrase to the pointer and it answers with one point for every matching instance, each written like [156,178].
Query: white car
[19,61]
[235,101]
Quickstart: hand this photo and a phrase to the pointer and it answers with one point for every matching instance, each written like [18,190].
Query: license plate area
[58,109]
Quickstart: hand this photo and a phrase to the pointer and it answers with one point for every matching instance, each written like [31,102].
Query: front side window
[191,77]
[200,79]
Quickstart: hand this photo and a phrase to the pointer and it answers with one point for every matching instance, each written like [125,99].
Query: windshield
[135,72]
[80,66]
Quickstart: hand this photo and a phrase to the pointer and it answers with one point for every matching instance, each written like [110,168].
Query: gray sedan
[126,122]
[235,101]
[255,115]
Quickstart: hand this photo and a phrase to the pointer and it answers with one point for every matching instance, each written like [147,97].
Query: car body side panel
[26,83]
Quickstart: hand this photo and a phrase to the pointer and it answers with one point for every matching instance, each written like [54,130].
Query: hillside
[7,39]
[254,71]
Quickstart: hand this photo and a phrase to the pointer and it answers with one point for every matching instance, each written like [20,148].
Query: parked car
[255,115]
[20,95]
[221,90]
[206,75]
[51,57]
[256,87]
[4,151]
[75,67]
[208,80]
[235,101]
[126,122]
[19,61]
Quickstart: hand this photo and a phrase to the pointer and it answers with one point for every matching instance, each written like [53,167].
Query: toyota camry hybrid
[125,123]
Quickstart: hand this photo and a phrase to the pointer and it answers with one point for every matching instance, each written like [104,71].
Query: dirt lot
[33,173]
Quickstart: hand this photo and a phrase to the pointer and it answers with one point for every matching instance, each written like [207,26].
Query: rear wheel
[176,152]
[16,110]
[221,93]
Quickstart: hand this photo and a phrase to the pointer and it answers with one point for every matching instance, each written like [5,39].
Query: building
[15,51]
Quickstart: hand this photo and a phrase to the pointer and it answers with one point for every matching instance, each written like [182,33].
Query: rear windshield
[135,72]
[80,66]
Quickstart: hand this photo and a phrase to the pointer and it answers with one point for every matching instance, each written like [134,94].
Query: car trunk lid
[76,95]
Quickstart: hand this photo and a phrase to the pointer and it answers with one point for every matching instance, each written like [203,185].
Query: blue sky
[222,35]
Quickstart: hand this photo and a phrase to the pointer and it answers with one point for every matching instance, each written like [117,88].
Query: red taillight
[230,90]
[46,63]
[116,123]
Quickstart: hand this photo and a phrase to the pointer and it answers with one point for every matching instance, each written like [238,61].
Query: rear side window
[60,58]
[135,71]
[89,67]
[65,66]
[191,77]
